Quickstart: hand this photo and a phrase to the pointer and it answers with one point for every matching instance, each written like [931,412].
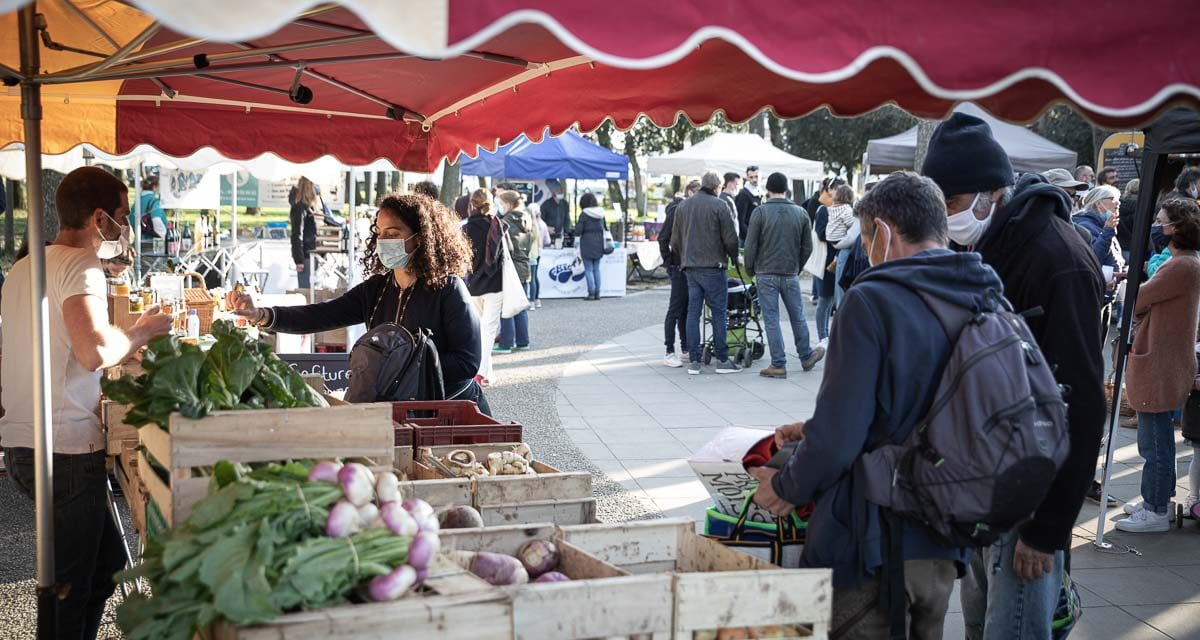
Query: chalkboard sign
[333,367]
[1126,166]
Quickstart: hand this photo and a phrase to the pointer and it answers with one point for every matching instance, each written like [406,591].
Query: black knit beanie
[963,157]
[777,183]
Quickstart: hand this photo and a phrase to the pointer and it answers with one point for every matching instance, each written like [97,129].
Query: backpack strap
[952,317]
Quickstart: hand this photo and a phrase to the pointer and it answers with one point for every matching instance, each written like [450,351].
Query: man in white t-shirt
[93,208]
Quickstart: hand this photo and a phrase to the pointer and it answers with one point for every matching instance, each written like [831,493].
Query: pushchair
[744,332]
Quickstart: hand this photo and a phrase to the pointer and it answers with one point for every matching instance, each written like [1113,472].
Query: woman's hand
[241,303]
[1113,221]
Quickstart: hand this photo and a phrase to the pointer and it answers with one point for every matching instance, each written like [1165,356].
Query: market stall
[733,152]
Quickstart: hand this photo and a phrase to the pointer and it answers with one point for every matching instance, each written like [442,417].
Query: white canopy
[1027,150]
[733,152]
[268,166]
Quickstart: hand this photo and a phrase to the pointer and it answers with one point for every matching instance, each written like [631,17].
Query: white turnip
[393,585]
[553,576]
[418,508]
[367,515]
[387,487]
[498,569]
[325,471]
[358,483]
[424,546]
[398,520]
[342,520]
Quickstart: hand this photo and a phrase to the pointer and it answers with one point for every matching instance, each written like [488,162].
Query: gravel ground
[561,331]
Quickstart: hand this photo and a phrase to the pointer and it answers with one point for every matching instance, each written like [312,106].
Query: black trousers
[677,310]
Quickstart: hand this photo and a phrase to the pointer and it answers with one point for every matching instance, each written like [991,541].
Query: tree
[1063,125]
[925,130]
[451,176]
[841,142]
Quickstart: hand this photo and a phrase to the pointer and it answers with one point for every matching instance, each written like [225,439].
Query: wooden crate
[128,478]
[264,435]
[552,496]
[714,586]
[118,436]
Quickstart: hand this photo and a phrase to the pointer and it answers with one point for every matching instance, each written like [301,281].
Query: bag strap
[893,595]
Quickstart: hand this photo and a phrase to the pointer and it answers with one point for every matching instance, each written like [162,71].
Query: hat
[777,183]
[963,157]
[1063,178]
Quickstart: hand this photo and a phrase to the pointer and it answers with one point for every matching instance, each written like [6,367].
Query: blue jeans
[1156,445]
[770,288]
[998,605]
[707,285]
[824,310]
[591,272]
[534,289]
[677,310]
[838,292]
[87,545]
[518,325]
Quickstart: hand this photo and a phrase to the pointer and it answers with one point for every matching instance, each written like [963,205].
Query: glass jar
[135,304]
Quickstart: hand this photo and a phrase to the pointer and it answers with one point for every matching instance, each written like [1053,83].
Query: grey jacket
[779,241]
[703,234]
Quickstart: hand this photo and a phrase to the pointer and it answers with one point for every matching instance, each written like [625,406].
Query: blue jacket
[1104,240]
[885,360]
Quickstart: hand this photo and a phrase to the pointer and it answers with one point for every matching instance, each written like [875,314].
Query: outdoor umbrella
[368,81]
[567,156]
[722,152]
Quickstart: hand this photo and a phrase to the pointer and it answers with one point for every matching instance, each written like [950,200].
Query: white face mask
[108,249]
[964,228]
[887,247]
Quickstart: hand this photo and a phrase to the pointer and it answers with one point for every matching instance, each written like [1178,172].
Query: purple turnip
[325,471]
[460,517]
[538,556]
[428,523]
[393,585]
[358,483]
[387,487]
[418,508]
[398,520]
[367,515]
[553,576]
[424,546]
[498,569]
[343,520]
[422,574]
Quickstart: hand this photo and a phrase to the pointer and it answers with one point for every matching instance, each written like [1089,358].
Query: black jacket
[484,277]
[590,231]
[447,313]
[779,240]
[820,222]
[520,234]
[670,258]
[1125,226]
[746,204]
[304,233]
[1046,265]
[557,214]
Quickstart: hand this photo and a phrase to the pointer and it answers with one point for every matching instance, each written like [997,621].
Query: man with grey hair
[704,238]
[1050,274]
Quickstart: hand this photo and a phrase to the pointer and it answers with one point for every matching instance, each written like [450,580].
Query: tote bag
[817,261]
[515,300]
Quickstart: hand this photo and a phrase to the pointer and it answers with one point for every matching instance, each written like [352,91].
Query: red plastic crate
[404,434]
[452,422]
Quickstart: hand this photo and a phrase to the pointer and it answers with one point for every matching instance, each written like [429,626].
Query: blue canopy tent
[567,156]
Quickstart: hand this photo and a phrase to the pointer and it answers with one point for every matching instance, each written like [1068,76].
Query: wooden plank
[117,435]
[158,442]
[156,489]
[438,493]
[698,553]
[751,598]
[578,564]
[565,512]
[596,608]
[546,486]
[447,577]
[504,539]
[649,542]
[265,435]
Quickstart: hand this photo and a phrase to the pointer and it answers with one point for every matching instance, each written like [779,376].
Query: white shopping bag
[515,300]
[817,262]
[718,465]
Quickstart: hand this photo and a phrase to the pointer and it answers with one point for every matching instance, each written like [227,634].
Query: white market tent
[733,152]
[1027,150]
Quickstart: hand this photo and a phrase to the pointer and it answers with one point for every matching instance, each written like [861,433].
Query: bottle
[186,244]
[172,240]
[193,324]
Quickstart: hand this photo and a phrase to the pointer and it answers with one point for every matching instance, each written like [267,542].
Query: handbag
[779,543]
[608,242]
[515,300]
[816,260]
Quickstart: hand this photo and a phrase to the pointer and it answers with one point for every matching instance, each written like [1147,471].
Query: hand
[550,229]
[153,322]
[299,267]
[1029,563]
[765,495]
[1120,275]
[789,433]
[1113,221]
[241,303]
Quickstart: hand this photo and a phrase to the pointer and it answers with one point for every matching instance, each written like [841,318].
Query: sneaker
[501,350]
[693,368]
[672,360]
[773,372]
[1093,494]
[728,366]
[813,358]
[1144,522]
[1189,507]
[521,347]
[537,304]
[1131,508]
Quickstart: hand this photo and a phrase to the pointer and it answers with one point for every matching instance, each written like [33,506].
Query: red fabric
[957,48]
[759,455]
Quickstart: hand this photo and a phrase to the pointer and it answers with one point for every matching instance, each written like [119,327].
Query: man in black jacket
[729,191]
[747,201]
[678,305]
[556,212]
[1026,235]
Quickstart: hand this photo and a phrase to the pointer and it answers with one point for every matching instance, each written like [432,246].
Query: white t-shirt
[74,391]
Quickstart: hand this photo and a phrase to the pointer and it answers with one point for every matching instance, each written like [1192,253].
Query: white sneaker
[1131,508]
[1144,521]
[672,360]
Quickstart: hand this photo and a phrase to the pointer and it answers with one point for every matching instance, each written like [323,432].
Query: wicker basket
[200,300]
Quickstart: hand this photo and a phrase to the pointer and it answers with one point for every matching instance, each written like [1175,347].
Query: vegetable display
[280,538]
[237,372]
[460,517]
[538,556]
[463,463]
[538,559]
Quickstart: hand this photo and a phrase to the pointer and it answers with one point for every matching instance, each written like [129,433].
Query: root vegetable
[393,585]
[523,451]
[538,556]
[358,483]
[325,471]
[367,514]
[498,569]
[424,546]
[342,520]
[418,508]
[428,523]
[387,487]
[398,520]
[460,517]
[553,576]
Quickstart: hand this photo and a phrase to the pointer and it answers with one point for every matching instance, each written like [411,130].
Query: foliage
[1064,126]
[238,372]
[841,142]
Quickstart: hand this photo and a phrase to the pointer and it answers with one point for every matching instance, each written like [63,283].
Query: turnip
[553,576]
[358,483]
[418,508]
[387,487]
[398,519]
[393,585]
[368,514]
[422,574]
[422,549]
[343,520]
[325,471]
[498,569]
[428,523]
[460,517]
[538,556]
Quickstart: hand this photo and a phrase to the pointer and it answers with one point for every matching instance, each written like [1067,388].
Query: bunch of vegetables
[537,560]
[237,372]
[277,539]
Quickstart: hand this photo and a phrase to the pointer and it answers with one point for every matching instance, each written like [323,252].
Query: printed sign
[247,190]
[333,367]
[561,274]
[189,189]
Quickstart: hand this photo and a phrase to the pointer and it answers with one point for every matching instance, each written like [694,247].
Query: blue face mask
[392,253]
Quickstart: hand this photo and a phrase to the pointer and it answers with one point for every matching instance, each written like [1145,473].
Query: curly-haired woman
[416,256]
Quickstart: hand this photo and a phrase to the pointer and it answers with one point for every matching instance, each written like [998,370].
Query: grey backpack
[982,459]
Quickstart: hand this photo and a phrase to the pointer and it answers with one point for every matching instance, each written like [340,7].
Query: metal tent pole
[233,230]
[137,218]
[43,434]
[1154,164]
[353,332]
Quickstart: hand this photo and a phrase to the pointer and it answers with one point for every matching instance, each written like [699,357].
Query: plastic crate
[452,422]
[404,434]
